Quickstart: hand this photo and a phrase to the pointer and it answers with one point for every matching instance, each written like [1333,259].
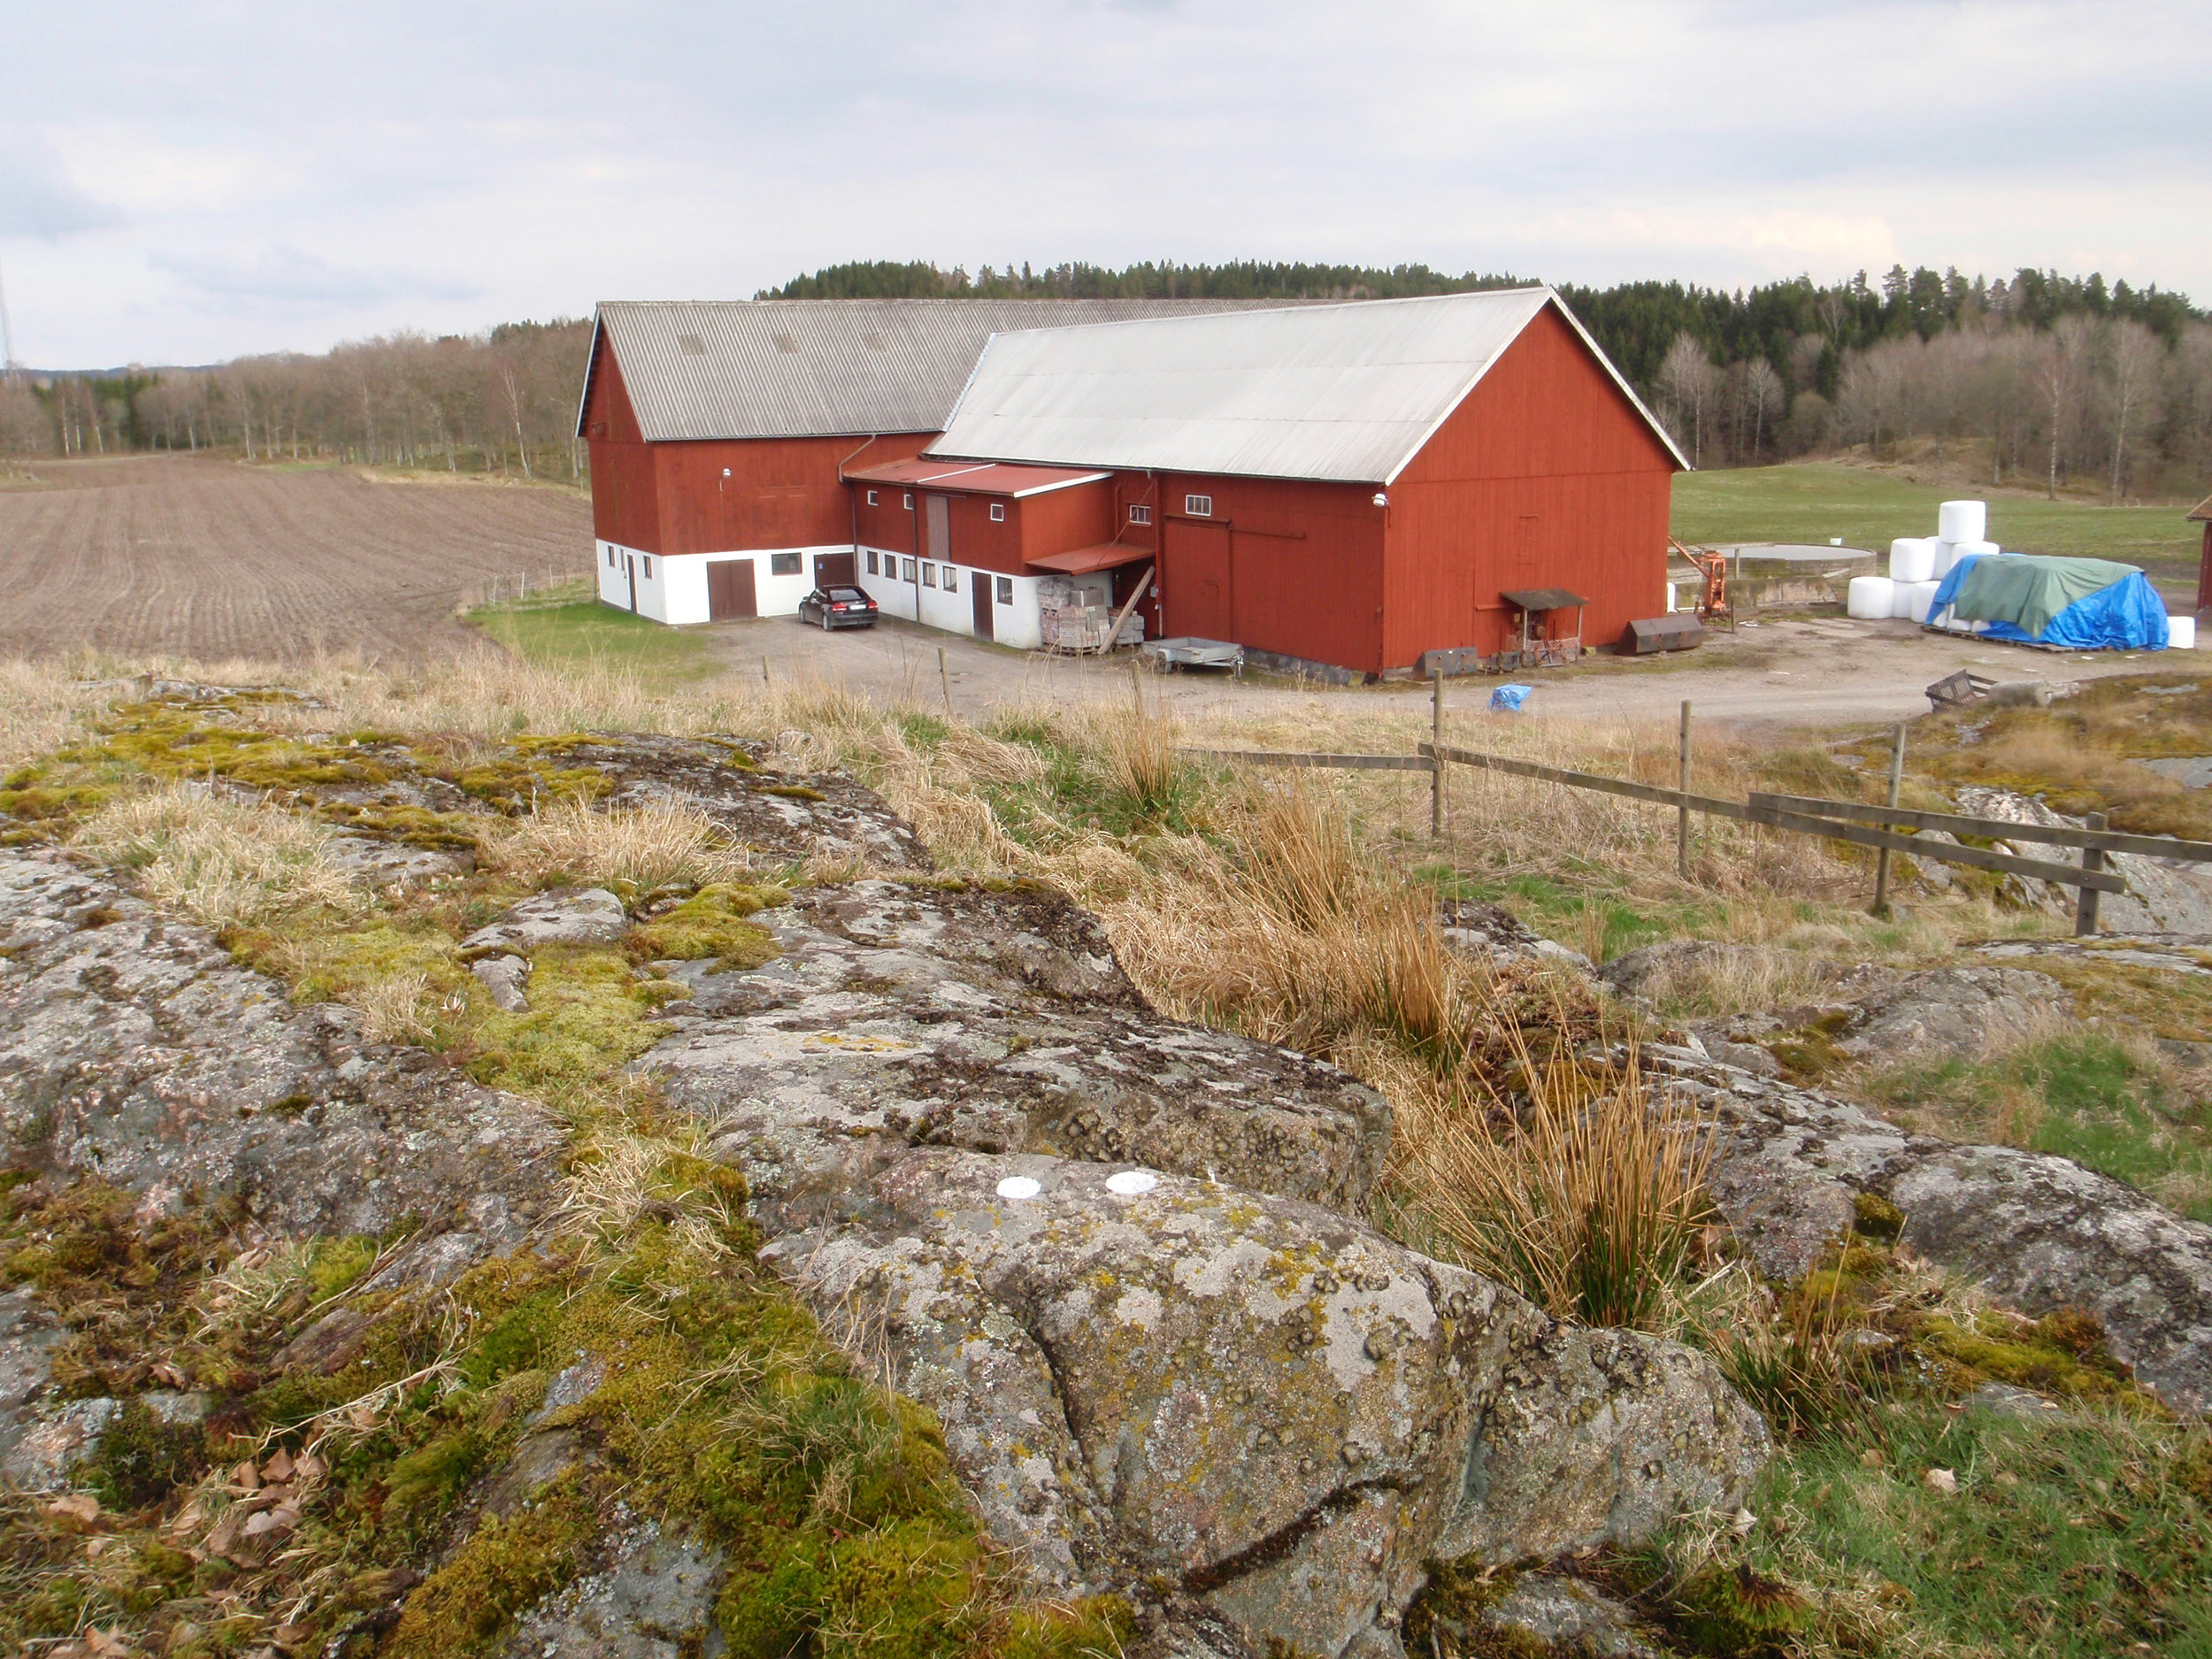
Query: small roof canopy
[970,478]
[1543,599]
[2201,511]
[1083,560]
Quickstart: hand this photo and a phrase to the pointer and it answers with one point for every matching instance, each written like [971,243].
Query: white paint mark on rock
[1019,1187]
[1129,1183]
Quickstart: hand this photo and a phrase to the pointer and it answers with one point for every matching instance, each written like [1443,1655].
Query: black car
[838,608]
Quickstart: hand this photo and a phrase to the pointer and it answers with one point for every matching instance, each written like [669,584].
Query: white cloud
[289,176]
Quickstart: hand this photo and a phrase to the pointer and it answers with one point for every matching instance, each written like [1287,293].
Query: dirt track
[209,559]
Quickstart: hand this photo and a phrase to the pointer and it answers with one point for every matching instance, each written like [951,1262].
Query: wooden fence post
[1881,859]
[2085,905]
[1682,813]
[1436,760]
[945,676]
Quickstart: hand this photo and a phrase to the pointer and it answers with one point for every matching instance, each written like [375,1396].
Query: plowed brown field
[209,559]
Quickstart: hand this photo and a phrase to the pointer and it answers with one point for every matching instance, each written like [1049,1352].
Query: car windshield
[847,595]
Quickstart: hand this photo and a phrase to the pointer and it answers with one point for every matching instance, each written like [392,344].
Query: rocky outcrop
[2041,1232]
[2162,895]
[1278,1411]
[134,1048]
[1119,1256]
[900,1015]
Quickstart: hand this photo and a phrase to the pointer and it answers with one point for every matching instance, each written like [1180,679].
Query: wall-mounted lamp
[1381,500]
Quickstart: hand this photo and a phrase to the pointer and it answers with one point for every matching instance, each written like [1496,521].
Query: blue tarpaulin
[2126,615]
[1508,699]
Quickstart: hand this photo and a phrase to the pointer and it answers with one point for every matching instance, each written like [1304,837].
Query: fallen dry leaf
[307,1467]
[1940,1480]
[105,1645]
[1872,1459]
[278,1467]
[80,1508]
[247,1476]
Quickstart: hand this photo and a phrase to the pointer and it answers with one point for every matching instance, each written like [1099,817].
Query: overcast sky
[185,183]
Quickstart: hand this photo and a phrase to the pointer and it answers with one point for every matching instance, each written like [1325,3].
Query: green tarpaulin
[2028,589]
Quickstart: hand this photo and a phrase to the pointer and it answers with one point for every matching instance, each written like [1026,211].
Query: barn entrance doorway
[835,570]
[730,590]
[1199,599]
[629,565]
[980,589]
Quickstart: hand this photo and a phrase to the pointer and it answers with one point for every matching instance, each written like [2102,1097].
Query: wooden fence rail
[1848,821]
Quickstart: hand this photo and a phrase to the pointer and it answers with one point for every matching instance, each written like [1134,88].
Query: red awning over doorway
[1082,560]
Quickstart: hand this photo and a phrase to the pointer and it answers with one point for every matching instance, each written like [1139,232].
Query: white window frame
[1139,514]
[909,501]
[609,555]
[648,567]
[998,513]
[872,498]
[798,564]
[929,575]
[909,574]
[1002,590]
[1198,506]
[952,579]
[872,569]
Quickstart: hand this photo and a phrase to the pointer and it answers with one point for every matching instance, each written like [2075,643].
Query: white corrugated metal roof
[806,368]
[1347,392]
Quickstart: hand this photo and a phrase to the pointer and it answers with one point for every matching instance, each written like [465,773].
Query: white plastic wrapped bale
[1869,597]
[1919,598]
[1980,549]
[1963,520]
[1911,559]
[1901,600]
[2181,633]
[1947,553]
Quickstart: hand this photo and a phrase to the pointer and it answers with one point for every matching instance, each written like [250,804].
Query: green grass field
[566,626]
[1814,501]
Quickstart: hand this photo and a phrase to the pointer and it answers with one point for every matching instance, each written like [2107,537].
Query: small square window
[909,501]
[1138,513]
[872,498]
[784,565]
[648,567]
[1198,506]
[1005,594]
[998,513]
[952,579]
[929,575]
[872,571]
[908,571]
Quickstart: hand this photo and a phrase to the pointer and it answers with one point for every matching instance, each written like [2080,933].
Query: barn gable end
[1545,475]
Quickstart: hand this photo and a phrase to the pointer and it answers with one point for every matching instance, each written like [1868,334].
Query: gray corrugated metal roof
[806,368]
[1347,392]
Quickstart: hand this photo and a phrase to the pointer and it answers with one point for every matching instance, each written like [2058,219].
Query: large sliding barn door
[1195,590]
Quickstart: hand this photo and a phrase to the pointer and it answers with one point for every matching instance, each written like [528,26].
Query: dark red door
[835,570]
[980,588]
[1196,592]
[730,590]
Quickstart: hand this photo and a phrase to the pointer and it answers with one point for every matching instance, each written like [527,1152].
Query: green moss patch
[710,925]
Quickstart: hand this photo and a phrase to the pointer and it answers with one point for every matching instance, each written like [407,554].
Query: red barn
[719,432]
[1347,487]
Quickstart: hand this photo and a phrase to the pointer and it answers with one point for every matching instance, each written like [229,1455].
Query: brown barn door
[1195,589]
[629,562]
[940,525]
[835,570]
[730,590]
[979,587]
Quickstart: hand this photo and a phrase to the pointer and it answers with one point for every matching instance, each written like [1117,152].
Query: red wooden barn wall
[1545,477]
[672,498]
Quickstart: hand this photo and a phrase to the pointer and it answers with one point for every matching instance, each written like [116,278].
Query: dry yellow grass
[223,862]
[642,848]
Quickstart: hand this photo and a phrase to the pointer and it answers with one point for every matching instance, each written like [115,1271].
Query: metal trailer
[1168,656]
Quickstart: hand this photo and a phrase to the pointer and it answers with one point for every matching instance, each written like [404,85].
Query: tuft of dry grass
[397,1009]
[641,847]
[1587,1194]
[225,863]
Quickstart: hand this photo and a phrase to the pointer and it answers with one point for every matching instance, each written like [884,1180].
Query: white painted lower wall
[675,590]
[1019,623]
